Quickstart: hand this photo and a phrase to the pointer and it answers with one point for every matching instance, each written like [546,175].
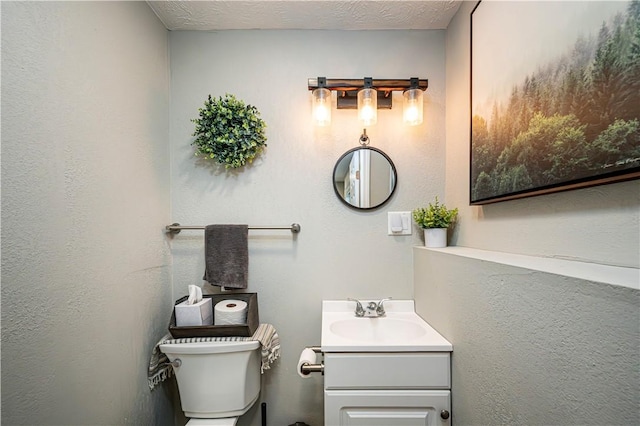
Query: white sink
[400,330]
[377,329]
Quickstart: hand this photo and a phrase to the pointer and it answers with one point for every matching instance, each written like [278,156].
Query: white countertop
[399,330]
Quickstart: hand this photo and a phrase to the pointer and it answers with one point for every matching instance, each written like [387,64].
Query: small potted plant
[435,220]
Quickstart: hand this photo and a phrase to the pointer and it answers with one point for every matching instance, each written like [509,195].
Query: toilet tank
[216,379]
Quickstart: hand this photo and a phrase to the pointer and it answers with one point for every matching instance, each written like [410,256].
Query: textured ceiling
[305,14]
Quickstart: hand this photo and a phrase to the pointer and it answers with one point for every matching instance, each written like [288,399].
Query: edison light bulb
[368,106]
[322,106]
[413,107]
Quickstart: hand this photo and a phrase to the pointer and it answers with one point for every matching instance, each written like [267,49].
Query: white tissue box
[200,313]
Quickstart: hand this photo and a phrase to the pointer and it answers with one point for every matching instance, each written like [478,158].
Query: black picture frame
[554,99]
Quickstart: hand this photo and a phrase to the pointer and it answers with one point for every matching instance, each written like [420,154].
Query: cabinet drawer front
[387,370]
[386,408]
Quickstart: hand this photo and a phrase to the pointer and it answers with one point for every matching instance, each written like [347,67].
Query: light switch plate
[399,223]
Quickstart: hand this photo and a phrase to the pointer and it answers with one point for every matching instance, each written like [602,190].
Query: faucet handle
[380,308]
[359,309]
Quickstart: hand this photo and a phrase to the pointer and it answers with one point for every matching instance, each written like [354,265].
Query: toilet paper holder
[307,368]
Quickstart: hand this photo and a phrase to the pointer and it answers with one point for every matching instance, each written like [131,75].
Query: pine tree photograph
[555,96]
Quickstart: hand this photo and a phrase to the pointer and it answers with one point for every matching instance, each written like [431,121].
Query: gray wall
[85,194]
[532,347]
[340,252]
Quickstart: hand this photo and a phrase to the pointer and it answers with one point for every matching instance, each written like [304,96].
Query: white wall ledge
[614,275]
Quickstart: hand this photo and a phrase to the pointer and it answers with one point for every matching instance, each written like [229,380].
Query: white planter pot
[435,237]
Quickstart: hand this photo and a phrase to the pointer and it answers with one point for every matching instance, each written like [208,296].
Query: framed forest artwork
[555,96]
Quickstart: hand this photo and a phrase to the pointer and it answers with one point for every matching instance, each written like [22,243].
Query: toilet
[218,381]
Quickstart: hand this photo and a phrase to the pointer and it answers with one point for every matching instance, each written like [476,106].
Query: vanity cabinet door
[387,408]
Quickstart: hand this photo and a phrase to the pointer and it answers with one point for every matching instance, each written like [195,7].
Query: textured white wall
[599,224]
[532,347]
[85,196]
[340,252]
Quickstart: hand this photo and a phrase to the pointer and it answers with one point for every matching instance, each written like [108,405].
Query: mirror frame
[393,169]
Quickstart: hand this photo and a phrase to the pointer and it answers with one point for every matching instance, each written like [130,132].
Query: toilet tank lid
[209,347]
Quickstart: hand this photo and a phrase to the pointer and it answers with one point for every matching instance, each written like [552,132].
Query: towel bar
[175,228]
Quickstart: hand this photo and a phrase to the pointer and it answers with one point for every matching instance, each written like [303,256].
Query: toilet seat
[225,421]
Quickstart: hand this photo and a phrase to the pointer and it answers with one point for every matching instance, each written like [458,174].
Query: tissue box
[243,330]
[200,313]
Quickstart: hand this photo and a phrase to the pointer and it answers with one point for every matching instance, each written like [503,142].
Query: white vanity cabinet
[387,389]
[393,369]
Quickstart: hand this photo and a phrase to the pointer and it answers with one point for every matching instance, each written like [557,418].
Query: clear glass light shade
[413,107]
[368,106]
[321,107]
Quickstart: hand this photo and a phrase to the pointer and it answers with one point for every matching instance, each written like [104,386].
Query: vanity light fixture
[367,95]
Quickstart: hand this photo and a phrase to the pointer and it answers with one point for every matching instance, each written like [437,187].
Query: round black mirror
[364,178]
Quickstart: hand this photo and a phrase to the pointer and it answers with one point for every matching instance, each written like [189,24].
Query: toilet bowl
[217,381]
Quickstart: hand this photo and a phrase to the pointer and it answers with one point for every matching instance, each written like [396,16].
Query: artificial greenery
[435,216]
[229,132]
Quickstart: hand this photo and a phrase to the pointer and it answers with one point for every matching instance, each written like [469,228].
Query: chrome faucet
[373,309]
[380,307]
[359,309]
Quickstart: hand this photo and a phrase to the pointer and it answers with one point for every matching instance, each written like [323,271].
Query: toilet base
[223,421]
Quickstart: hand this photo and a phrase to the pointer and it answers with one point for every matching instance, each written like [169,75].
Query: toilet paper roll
[230,312]
[308,356]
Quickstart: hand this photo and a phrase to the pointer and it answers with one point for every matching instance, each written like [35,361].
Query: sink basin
[400,330]
[377,329]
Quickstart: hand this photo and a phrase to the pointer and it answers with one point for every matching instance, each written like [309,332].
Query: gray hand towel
[226,255]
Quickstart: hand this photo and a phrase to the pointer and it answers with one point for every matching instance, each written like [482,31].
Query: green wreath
[229,132]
